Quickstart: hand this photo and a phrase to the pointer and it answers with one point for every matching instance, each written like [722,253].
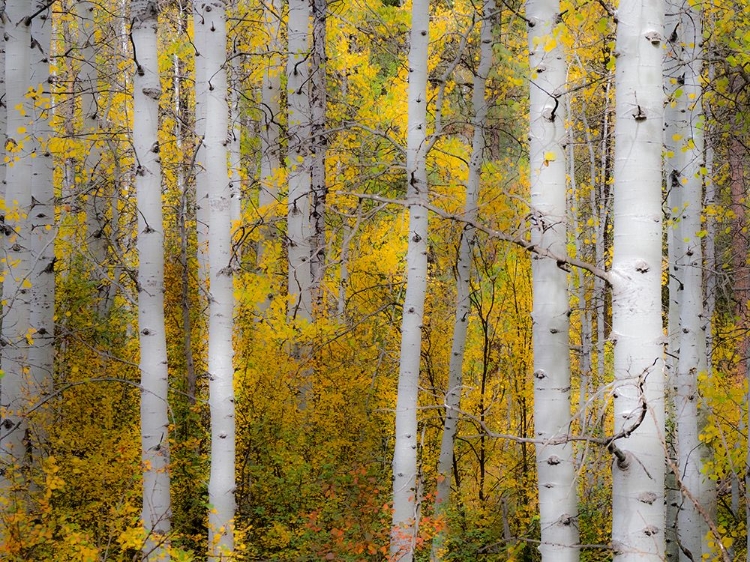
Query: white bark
[270,162]
[93,195]
[235,137]
[558,507]
[42,217]
[18,259]
[463,285]
[157,509]
[221,484]
[405,487]
[686,177]
[202,210]
[638,517]
[675,253]
[298,128]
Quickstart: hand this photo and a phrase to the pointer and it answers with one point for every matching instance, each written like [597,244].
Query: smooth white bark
[686,176]
[157,509]
[675,254]
[93,194]
[17,260]
[558,507]
[638,517]
[235,137]
[270,157]
[463,281]
[42,218]
[221,486]
[298,128]
[405,482]
[202,210]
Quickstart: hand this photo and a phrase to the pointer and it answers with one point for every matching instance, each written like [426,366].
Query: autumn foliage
[314,429]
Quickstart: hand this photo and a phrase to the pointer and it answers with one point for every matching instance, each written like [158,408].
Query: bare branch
[497,234]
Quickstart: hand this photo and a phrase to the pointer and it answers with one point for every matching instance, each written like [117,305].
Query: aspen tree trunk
[349,231]
[604,206]
[42,217]
[586,348]
[741,278]
[586,313]
[3,137]
[741,275]
[675,254]
[298,205]
[709,268]
[157,509]
[344,271]
[711,222]
[558,503]
[318,148]
[270,161]
[405,520]
[182,214]
[687,177]
[202,210]
[235,136]
[221,484]
[17,257]
[463,281]
[638,517]
[92,193]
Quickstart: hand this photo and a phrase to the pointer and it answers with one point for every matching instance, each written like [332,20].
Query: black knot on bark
[654,37]
[647,497]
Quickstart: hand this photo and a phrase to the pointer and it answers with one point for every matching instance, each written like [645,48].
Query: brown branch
[489,549]
[701,510]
